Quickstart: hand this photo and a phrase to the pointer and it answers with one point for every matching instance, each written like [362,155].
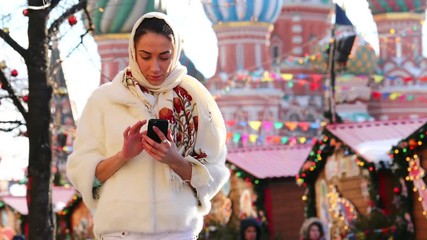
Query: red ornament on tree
[25,98]
[412,144]
[14,73]
[25,12]
[72,20]
[396,190]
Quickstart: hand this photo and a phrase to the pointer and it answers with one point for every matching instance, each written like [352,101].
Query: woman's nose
[155,65]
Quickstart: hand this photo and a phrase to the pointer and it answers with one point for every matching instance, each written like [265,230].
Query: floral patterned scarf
[181,112]
[170,100]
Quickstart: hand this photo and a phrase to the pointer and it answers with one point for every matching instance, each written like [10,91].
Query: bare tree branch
[6,86]
[16,124]
[91,27]
[75,8]
[13,44]
[58,63]
[53,4]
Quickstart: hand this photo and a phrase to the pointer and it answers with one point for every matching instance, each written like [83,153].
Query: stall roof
[60,196]
[270,162]
[373,140]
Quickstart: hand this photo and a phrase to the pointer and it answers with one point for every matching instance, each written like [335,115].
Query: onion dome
[363,59]
[220,11]
[112,16]
[311,3]
[388,6]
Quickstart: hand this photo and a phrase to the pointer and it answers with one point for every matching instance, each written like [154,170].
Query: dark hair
[153,25]
[319,225]
[249,222]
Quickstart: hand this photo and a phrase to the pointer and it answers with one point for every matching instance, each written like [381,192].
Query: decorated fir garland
[75,200]
[316,161]
[409,174]
[259,186]
[362,227]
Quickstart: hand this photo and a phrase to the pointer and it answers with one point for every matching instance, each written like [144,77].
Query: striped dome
[112,16]
[388,6]
[242,10]
[311,3]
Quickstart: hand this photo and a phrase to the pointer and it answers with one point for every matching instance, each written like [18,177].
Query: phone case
[162,124]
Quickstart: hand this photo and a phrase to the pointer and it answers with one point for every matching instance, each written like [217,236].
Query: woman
[250,229]
[312,229]
[141,189]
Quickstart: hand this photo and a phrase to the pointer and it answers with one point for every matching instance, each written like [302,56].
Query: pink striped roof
[373,140]
[271,161]
[60,195]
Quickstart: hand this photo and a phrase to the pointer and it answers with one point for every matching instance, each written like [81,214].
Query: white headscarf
[177,70]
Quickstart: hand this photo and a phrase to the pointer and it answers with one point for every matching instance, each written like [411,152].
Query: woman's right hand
[132,144]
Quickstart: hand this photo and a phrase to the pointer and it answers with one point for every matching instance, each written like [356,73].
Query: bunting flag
[255,125]
[267,126]
[269,134]
[398,96]
[291,125]
[246,139]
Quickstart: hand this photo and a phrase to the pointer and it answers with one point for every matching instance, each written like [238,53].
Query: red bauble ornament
[14,73]
[72,20]
[25,12]
[25,98]
[396,190]
[412,143]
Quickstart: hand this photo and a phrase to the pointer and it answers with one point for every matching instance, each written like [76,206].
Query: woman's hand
[132,144]
[167,152]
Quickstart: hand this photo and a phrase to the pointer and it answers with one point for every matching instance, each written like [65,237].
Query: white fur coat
[139,196]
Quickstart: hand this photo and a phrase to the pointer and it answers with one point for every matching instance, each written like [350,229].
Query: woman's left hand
[165,151]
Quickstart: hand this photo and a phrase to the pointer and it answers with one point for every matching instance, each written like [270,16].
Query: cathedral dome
[112,16]
[242,11]
[388,6]
[363,60]
[311,3]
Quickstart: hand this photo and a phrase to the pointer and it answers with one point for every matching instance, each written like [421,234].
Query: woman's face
[250,233]
[154,54]
[314,232]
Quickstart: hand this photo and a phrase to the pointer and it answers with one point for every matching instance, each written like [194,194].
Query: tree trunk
[40,218]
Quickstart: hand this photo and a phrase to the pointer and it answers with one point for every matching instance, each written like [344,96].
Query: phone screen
[162,124]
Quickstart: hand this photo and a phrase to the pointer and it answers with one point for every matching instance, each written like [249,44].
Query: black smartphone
[162,124]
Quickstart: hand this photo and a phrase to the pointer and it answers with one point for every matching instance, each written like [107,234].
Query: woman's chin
[155,82]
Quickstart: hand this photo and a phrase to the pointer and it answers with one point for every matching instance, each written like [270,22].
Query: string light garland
[409,173]
[258,186]
[315,163]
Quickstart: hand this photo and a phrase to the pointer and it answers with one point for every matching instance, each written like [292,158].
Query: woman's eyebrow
[166,52]
[162,53]
[143,51]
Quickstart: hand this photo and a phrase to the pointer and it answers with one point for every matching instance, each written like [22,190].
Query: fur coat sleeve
[89,138]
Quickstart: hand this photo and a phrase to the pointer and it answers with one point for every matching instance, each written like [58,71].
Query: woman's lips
[155,78]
